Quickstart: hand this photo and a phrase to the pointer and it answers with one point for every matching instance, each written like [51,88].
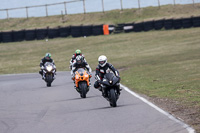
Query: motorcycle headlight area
[49,68]
[77,77]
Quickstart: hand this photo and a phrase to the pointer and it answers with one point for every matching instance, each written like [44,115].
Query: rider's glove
[97,77]
[42,67]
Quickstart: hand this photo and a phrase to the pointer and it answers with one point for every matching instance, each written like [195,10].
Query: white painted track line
[190,129]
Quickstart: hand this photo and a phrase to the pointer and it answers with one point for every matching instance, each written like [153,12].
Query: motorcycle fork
[105,92]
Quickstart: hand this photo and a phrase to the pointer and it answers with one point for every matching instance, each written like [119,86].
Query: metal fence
[82,4]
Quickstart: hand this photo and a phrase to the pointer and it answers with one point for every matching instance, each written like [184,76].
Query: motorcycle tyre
[83,89]
[49,80]
[113,98]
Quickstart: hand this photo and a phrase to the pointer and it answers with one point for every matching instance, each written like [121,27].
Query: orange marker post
[106,29]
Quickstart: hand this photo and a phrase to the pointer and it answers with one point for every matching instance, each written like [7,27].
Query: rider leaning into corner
[80,63]
[77,52]
[103,68]
[47,58]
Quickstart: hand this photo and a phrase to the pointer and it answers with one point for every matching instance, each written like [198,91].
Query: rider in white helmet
[103,68]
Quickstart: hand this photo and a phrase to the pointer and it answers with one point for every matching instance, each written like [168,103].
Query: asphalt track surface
[28,106]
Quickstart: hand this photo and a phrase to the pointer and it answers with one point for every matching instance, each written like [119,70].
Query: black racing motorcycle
[49,73]
[110,88]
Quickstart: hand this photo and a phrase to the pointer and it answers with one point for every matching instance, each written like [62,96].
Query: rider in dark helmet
[77,52]
[47,58]
[80,63]
[103,68]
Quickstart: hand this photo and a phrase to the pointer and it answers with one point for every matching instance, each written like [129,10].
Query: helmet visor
[102,62]
[47,57]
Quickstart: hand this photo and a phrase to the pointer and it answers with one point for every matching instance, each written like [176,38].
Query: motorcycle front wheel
[83,89]
[113,98]
[49,79]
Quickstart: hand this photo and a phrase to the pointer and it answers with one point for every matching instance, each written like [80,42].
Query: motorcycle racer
[103,68]
[80,63]
[77,52]
[47,58]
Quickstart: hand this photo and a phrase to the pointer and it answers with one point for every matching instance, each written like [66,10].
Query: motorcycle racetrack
[28,106]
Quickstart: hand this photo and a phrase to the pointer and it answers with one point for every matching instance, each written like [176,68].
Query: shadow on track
[74,99]
[108,107]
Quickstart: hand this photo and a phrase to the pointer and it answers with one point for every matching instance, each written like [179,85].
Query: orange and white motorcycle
[82,81]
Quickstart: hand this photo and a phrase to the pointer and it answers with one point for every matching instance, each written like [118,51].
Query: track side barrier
[0,37]
[158,24]
[168,24]
[30,34]
[53,33]
[111,28]
[128,27]
[97,30]
[86,30]
[138,27]
[196,21]
[18,35]
[187,22]
[7,36]
[41,34]
[119,28]
[64,31]
[76,31]
[148,25]
[177,22]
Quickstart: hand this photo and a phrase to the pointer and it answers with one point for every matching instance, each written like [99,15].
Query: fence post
[174,2]
[27,12]
[7,13]
[65,8]
[103,6]
[159,3]
[139,4]
[62,16]
[46,11]
[84,6]
[193,2]
[121,5]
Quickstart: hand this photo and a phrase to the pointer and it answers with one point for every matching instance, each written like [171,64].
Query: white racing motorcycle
[49,73]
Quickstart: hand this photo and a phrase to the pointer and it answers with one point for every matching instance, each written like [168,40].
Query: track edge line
[184,125]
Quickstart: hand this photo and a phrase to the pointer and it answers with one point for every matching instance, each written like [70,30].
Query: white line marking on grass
[190,129]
